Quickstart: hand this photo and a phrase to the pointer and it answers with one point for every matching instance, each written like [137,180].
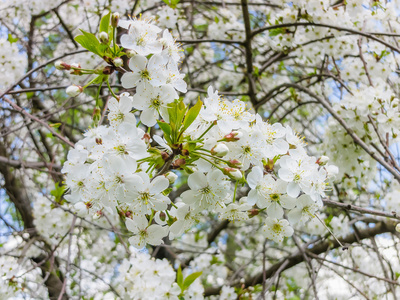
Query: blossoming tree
[199,149]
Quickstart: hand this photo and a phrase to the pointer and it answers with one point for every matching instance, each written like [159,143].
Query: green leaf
[99,79]
[90,42]
[58,191]
[105,23]
[29,95]
[55,125]
[11,39]
[171,3]
[192,114]
[166,128]
[190,279]
[179,278]
[277,31]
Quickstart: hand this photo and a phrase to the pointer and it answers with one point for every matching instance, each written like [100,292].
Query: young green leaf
[90,42]
[105,23]
[179,278]
[192,114]
[166,128]
[190,279]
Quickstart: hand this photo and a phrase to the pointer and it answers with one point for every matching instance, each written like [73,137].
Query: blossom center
[156,103]
[121,149]
[145,74]
[277,228]
[145,196]
[275,197]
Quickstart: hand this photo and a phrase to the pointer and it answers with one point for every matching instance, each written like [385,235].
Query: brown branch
[350,131]
[322,247]
[249,54]
[24,112]
[368,35]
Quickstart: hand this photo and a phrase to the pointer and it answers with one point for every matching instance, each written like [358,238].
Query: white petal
[137,241]
[254,177]
[294,216]
[293,189]
[197,181]
[149,117]
[131,225]
[129,80]
[275,210]
[137,63]
[159,184]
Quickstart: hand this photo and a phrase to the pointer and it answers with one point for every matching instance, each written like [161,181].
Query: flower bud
[96,116]
[103,37]
[220,150]
[76,69]
[171,176]
[398,227]
[118,62]
[130,53]
[74,90]
[322,160]
[233,173]
[146,138]
[108,70]
[234,163]
[114,19]
[165,156]
[180,162]
[97,215]
[233,136]
[60,65]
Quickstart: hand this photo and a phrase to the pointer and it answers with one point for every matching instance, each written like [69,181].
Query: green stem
[98,94]
[151,217]
[208,129]
[215,157]
[222,170]
[109,87]
[115,40]
[234,193]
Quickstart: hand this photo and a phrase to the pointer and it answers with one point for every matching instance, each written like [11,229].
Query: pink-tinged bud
[118,62]
[146,138]
[233,173]
[234,163]
[60,65]
[233,136]
[171,176]
[98,215]
[74,90]
[115,19]
[220,150]
[103,37]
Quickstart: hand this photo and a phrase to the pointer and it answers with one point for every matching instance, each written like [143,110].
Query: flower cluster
[144,277]
[221,145]
[154,69]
